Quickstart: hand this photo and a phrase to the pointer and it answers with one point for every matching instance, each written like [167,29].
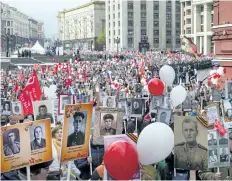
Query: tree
[102,38]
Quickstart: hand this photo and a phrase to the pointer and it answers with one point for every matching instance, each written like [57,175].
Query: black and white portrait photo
[212,139]
[228,89]
[156,102]
[86,99]
[77,129]
[138,88]
[37,136]
[227,112]
[122,95]
[44,110]
[16,108]
[6,108]
[212,113]
[216,95]
[166,103]
[213,156]
[164,115]
[108,124]
[137,107]
[109,102]
[224,155]
[11,142]
[102,96]
[187,104]
[190,137]
[63,101]
[223,141]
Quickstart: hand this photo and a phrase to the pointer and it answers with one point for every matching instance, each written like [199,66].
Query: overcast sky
[45,10]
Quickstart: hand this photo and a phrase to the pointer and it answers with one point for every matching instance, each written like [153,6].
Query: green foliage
[102,38]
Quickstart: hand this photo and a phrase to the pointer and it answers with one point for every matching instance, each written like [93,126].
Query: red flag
[33,87]
[85,76]
[24,98]
[16,88]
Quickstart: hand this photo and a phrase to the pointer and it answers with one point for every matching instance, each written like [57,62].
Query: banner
[26,102]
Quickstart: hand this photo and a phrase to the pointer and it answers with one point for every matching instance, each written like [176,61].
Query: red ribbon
[220,128]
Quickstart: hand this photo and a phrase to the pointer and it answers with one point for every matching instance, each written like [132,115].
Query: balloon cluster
[215,75]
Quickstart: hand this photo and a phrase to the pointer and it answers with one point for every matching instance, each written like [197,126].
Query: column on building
[201,44]
[173,25]
[137,24]
[150,23]
[107,25]
[124,24]
[207,25]
[162,25]
[196,24]
[182,17]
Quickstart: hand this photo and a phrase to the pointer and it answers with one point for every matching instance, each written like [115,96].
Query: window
[177,41]
[143,23]
[156,32]
[130,23]
[202,28]
[156,40]
[188,30]
[143,6]
[118,6]
[130,40]
[168,24]
[109,33]
[188,21]
[114,24]
[156,15]
[130,15]
[188,3]
[113,7]
[118,23]
[177,9]
[109,8]
[202,8]
[169,41]
[118,15]
[169,1]
[156,7]
[169,32]
[130,5]
[169,8]
[177,32]
[109,16]
[143,32]
[189,12]
[130,31]
[169,16]
[177,16]
[143,15]
[156,23]
[113,16]
[114,32]
[118,32]
[177,25]
[109,41]
[109,25]
[11,23]
[8,23]
[202,19]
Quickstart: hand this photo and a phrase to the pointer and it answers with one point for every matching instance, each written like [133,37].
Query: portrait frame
[216,95]
[187,104]
[180,156]
[26,157]
[5,112]
[69,153]
[97,138]
[227,105]
[228,89]
[19,104]
[141,103]
[106,98]
[50,110]
[168,113]
[61,107]
[121,95]
[159,102]
[212,113]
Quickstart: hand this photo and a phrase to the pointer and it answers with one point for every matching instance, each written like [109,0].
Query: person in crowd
[38,141]
[12,147]
[212,141]
[30,117]
[43,114]
[78,137]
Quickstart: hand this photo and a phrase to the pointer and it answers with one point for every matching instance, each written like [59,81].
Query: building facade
[33,30]
[41,35]
[130,22]
[79,28]
[196,23]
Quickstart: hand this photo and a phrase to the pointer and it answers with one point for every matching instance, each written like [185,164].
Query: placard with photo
[109,102]
[156,102]
[64,99]
[137,107]
[108,122]
[138,89]
[6,109]
[216,95]
[227,112]
[164,115]
[189,132]
[166,103]
[228,89]
[102,96]
[218,150]
[187,104]
[25,144]
[16,108]
[76,132]
[44,110]
[130,138]
[122,95]
[212,113]
[123,105]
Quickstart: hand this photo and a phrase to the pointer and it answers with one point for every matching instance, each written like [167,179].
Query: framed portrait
[166,103]
[227,112]
[156,102]
[122,104]
[216,95]
[44,110]
[16,108]
[164,115]
[122,95]
[137,107]
[212,113]
[138,89]
[76,132]
[187,104]
[197,139]
[109,102]
[130,138]
[64,99]
[6,109]
[108,122]
[16,142]
[102,96]
[228,89]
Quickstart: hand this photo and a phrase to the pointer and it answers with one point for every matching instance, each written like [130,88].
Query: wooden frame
[212,108]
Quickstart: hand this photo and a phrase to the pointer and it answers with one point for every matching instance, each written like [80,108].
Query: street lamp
[117,40]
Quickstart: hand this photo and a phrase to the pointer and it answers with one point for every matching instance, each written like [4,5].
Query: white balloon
[167,74]
[50,92]
[178,95]
[155,143]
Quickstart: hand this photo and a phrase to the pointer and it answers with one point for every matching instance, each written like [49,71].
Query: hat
[108,116]
[55,129]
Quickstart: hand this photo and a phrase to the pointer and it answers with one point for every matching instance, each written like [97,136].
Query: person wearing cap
[224,173]
[78,137]
[108,130]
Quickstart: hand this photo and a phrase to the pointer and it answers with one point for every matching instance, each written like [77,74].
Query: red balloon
[156,87]
[121,160]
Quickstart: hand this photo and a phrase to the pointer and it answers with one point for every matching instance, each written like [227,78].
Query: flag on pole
[189,47]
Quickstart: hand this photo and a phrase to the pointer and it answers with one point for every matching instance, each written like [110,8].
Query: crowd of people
[108,75]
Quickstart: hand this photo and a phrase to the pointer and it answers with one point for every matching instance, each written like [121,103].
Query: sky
[45,10]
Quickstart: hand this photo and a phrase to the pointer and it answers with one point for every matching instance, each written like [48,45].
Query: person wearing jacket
[57,170]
